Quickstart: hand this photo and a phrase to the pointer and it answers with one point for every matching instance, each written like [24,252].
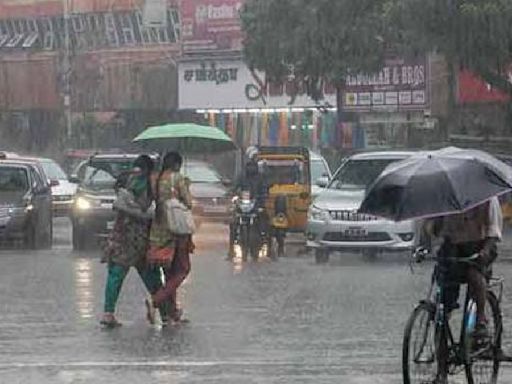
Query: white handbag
[179,218]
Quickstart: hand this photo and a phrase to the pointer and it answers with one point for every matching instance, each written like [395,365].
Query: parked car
[210,192]
[92,215]
[25,204]
[74,157]
[320,173]
[334,222]
[63,191]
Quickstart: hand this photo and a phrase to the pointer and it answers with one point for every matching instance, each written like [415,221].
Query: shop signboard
[400,85]
[229,84]
[211,25]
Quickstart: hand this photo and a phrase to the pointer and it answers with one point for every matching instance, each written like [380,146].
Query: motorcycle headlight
[316,213]
[246,206]
[83,204]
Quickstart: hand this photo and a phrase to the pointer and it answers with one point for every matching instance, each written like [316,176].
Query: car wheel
[321,256]
[30,241]
[370,254]
[79,239]
[48,241]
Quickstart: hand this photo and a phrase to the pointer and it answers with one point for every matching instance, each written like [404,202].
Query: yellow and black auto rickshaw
[286,171]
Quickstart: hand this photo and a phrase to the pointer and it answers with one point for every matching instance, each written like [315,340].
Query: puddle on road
[84,288]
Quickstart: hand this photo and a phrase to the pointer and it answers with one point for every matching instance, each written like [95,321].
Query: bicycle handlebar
[420,255]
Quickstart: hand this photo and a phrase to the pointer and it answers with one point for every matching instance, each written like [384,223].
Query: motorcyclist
[252,181]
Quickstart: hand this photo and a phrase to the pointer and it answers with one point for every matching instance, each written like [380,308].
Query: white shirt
[484,221]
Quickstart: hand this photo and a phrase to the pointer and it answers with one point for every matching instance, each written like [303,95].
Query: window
[47,32]
[53,170]
[37,181]
[111,29]
[12,180]
[318,170]
[173,24]
[359,174]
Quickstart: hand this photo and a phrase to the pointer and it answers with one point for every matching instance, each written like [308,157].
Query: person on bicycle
[475,232]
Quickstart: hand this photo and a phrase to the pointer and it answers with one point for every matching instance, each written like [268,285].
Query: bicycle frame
[454,353]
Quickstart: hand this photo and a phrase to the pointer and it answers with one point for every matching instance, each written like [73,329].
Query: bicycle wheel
[482,367]
[419,362]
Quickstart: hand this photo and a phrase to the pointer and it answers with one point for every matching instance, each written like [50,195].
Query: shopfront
[252,109]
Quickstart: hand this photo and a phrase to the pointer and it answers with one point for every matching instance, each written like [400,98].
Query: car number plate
[110,225]
[356,232]
[107,205]
[214,209]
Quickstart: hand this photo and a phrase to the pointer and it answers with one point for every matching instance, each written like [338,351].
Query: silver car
[63,191]
[320,173]
[334,223]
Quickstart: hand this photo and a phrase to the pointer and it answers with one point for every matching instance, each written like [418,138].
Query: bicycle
[430,351]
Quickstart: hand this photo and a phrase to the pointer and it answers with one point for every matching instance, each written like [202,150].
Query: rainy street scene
[256,191]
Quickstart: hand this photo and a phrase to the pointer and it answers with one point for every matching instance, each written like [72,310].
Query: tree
[471,34]
[313,41]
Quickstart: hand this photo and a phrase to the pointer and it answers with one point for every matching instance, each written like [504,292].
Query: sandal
[109,321]
[177,317]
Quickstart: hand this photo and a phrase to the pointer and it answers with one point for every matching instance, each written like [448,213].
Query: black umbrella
[430,185]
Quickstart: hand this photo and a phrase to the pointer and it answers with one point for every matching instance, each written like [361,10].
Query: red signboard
[473,89]
[209,25]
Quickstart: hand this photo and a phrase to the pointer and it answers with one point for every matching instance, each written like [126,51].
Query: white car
[334,223]
[63,191]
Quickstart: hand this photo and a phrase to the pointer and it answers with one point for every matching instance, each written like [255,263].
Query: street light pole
[67,71]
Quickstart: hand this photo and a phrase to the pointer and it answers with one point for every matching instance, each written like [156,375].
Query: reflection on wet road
[289,321]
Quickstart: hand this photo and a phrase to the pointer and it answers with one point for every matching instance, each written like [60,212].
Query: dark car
[25,205]
[92,215]
[209,190]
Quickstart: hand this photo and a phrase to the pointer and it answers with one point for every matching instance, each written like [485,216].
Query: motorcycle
[246,228]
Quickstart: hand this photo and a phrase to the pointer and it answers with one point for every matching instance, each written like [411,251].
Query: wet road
[285,322]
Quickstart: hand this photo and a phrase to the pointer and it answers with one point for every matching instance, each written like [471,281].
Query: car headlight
[316,213]
[83,204]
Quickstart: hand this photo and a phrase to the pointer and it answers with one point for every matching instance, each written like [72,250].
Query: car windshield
[318,170]
[53,170]
[115,168]
[96,179]
[201,174]
[13,181]
[359,174]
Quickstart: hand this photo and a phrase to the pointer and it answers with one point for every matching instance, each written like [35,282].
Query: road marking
[170,364]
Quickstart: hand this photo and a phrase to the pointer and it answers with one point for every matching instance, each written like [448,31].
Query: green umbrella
[185,138]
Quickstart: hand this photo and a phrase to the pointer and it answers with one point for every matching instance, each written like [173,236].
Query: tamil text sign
[224,84]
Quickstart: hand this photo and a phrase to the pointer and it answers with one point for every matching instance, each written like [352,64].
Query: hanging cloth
[274,130]
[283,128]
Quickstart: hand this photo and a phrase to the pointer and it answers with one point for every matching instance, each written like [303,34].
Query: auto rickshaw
[286,171]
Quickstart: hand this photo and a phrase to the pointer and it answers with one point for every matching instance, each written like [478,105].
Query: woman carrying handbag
[128,242]
[169,250]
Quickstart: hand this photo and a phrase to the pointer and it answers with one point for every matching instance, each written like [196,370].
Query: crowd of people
[141,239]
